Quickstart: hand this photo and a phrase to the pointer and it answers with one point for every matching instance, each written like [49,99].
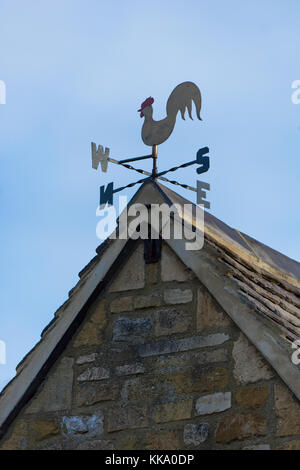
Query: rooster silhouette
[156,132]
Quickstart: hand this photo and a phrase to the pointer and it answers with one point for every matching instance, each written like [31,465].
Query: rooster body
[156,132]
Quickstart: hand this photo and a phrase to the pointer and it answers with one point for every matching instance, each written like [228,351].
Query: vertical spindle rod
[154,156]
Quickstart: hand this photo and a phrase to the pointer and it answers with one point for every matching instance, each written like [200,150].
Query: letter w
[98,156]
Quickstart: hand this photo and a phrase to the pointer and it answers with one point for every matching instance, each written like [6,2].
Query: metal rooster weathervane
[155,133]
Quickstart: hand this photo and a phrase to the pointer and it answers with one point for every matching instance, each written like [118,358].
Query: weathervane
[155,133]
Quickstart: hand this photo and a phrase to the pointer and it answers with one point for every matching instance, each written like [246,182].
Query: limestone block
[170,346]
[172,268]
[162,440]
[127,417]
[199,380]
[86,359]
[93,374]
[214,403]
[146,301]
[122,304]
[152,273]
[45,429]
[288,412]
[252,397]
[169,363]
[290,445]
[90,333]
[206,357]
[241,426]
[258,447]
[136,389]
[56,393]
[132,274]
[170,321]
[91,393]
[129,441]
[90,426]
[129,369]
[132,329]
[249,365]
[96,444]
[166,412]
[195,434]
[178,296]
[209,313]
[17,440]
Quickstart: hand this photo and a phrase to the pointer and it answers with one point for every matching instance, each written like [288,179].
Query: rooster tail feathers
[181,98]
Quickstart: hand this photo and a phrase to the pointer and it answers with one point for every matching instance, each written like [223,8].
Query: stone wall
[158,365]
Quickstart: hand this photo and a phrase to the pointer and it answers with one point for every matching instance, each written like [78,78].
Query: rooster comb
[147,102]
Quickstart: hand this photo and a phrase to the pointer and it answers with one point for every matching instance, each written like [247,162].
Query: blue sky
[77,71]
